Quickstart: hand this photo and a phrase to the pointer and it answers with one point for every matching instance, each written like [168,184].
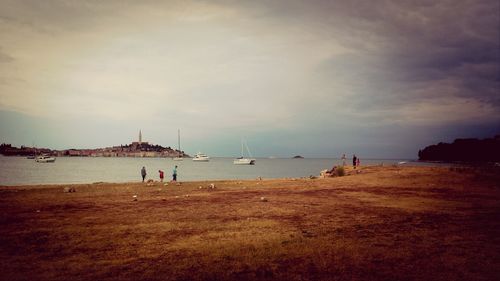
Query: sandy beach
[384,223]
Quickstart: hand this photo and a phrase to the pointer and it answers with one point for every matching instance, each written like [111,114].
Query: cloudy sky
[316,78]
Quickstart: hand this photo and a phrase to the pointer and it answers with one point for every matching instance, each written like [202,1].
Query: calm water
[19,170]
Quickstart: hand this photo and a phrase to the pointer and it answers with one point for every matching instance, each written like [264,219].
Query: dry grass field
[385,223]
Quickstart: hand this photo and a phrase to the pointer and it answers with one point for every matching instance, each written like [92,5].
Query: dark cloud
[400,48]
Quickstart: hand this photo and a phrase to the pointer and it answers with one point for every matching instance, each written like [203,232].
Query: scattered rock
[200,187]
[307,233]
[150,181]
[178,183]
[163,199]
[176,196]
[38,211]
[212,186]
[187,195]
[263,199]
[69,189]
[165,184]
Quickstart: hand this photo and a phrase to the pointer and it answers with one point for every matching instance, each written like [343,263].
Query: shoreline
[349,169]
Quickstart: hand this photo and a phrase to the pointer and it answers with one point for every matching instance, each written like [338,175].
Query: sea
[66,170]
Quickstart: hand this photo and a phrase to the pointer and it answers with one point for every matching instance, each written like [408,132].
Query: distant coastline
[135,149]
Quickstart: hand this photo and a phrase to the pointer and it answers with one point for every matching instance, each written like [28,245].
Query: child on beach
[161,175]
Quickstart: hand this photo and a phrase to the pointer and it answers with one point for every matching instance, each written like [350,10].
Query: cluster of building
[135,149]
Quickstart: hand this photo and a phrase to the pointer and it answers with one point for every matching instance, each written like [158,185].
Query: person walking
[143,173]
[161,175]
[174,174]
[343,159]
[354,161]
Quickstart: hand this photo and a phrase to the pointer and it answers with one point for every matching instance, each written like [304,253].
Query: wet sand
[384,223]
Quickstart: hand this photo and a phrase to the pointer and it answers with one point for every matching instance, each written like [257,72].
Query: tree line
[474,150]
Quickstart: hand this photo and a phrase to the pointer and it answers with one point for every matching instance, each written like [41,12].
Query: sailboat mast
[241,147]
[179,140]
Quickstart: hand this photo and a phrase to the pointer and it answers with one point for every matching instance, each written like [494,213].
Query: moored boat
[201,157]
[243,160]
[45,159]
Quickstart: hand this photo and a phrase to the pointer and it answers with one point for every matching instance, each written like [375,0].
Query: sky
[381,79]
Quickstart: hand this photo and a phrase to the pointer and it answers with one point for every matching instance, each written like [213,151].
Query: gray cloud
[299,63]
[402,46]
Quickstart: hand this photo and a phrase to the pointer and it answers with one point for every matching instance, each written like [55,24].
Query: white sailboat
[243,160]
[179,157]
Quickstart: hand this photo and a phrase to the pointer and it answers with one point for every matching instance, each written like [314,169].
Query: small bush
[340,171]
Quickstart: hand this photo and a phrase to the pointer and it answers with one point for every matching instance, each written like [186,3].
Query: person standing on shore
[174,174]
[143,173]
[357,161]
[354,161]
[343,159]
[161,175]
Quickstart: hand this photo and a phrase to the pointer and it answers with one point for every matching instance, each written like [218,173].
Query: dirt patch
[384,223]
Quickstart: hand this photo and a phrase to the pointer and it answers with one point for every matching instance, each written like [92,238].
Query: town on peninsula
[137,148]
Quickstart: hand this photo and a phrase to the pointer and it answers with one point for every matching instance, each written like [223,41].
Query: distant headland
[468,150]
[135,149]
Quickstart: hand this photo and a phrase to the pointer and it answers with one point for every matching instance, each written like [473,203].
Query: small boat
[45,159]
[243,160]
[201,157]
